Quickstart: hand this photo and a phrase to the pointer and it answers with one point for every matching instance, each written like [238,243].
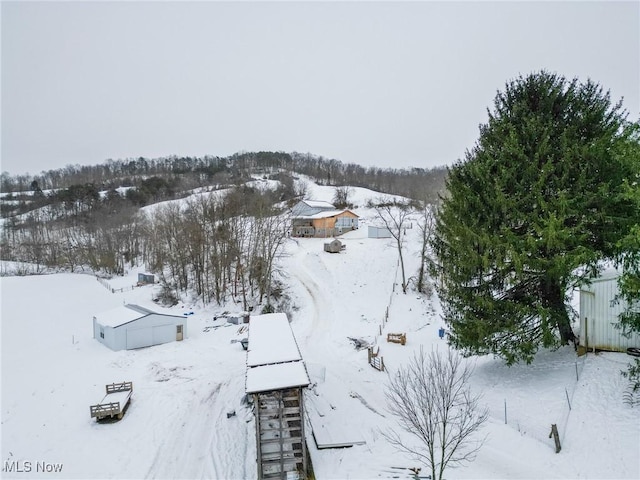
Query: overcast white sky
[385,84]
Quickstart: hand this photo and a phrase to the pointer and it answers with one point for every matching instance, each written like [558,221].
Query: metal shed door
[145,337]
[139,337]
[164,334]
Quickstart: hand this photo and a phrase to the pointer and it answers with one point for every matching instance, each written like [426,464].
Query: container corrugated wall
[378,232]
[599,315]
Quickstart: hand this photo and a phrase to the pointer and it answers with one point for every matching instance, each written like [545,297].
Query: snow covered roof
[273,358]
[119,316]
[318,204]
[271,340]
[276,377]
[327,214]
[140,309]
[608,273]
[124,314]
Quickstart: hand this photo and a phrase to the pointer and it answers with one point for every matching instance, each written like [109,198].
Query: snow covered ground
[177,425]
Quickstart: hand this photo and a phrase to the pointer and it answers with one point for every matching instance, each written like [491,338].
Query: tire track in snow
[321,310]
[184,455]
[315,322]
[233,432]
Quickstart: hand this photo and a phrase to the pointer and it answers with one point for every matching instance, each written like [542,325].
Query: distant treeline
[215,246]
[181,173]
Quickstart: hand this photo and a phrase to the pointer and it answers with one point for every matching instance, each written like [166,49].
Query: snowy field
[177,424]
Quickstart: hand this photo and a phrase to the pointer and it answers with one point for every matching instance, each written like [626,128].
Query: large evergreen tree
[629,258]
[629,282]
[530,212]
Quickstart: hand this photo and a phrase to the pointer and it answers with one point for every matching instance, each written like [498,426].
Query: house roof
[318,204]
[327,214]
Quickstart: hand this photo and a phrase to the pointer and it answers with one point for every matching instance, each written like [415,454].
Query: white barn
[132,326]
[599,315]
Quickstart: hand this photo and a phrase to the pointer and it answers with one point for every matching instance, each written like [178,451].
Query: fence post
[577,372]
[556,437]
[567,394]
[505,411]
[586,335]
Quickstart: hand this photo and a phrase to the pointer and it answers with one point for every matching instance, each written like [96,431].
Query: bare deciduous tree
[341,196]
[426,226]
[394,216]
[432,401]
[300,189]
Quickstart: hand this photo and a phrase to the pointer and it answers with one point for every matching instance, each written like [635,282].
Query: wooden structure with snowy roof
[275,378]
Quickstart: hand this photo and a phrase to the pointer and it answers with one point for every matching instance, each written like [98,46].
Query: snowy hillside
[177,425]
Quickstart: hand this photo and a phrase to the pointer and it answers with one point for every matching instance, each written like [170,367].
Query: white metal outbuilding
[599,315]
[378,232]
[131,326]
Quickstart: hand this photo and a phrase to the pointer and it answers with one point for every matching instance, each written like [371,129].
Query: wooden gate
[375,360]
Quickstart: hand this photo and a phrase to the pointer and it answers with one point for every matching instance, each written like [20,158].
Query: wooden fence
[375,360]
[106,285]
